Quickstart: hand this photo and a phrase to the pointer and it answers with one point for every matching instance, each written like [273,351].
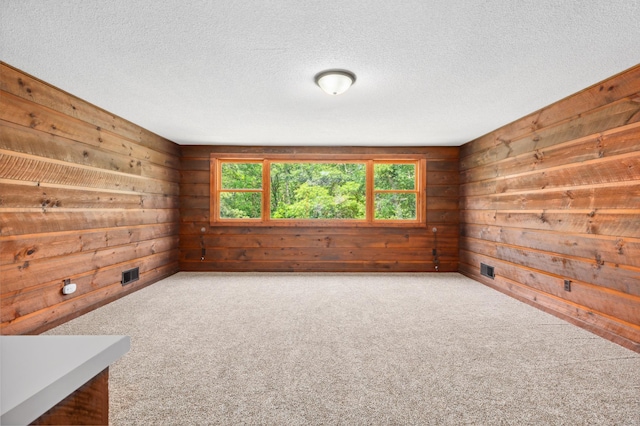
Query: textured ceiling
[439,72]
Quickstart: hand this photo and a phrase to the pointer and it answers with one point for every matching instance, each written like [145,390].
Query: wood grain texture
[611,116]
[25,140]
[319,248]
[613,142]
[593,297]
[26,248]
[623,85]
[24,167]
[23,302]
[87,405]
[26,195]
[21,276]
[72,307]
[40,93]
[555,196]
[611,328]
[593,198]
[84,195]
[60,220]
[617,169]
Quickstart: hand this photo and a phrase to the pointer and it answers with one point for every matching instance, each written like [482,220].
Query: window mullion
[214,201]
[422,190]
[395,191]
[369,200]
[266,190]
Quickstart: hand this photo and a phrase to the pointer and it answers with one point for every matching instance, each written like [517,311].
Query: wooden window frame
[369,161]
[218,189]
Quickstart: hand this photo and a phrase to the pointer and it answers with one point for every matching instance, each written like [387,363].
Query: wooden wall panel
[84,195]
[308,248]
[555,196]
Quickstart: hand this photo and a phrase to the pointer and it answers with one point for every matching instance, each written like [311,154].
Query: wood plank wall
[335,249]
[84,195]
[555,196]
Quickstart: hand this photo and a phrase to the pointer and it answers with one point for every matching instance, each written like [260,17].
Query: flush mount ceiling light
[335,82]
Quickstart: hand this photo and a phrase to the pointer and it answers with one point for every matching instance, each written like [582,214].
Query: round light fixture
[335,82]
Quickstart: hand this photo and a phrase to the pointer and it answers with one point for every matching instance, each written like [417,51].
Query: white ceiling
[438,72]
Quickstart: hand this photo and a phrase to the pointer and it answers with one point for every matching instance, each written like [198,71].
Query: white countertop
[37,372]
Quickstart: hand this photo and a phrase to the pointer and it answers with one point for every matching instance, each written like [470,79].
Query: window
[278,191]
[395,191]
[240,193]
[317,190]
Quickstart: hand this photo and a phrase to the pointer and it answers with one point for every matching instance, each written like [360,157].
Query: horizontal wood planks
[84,195]
[319,248]
[555,196]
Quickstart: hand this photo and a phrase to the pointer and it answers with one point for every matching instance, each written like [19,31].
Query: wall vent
[130,276]
[487,271]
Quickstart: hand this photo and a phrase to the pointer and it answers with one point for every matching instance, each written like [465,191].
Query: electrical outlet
[567,285]
[68,287]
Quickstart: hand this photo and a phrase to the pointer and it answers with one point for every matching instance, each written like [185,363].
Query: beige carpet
[355,349]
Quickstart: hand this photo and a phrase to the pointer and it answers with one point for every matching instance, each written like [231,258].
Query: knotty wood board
[20,303]
[23,248]
[84,195]
[319,248]
[70,308]
[611,328]
[589,296]
[41,93]
[622,85]
[555,196]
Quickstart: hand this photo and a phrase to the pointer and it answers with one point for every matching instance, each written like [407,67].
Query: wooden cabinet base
[88,405]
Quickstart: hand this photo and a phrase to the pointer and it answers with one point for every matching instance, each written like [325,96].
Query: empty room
[300,213]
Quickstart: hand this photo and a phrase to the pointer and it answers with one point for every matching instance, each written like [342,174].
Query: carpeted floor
[355,349]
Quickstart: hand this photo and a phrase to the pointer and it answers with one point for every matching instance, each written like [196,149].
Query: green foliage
[389,205]
[241,175]
[394,176]
[240,205]
[317,191]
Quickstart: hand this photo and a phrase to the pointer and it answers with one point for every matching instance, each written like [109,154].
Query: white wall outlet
[69,288]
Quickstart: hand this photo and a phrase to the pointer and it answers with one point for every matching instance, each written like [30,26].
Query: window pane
[241,175]
[240,205]
[395,206]
[394,176]
[318,191]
